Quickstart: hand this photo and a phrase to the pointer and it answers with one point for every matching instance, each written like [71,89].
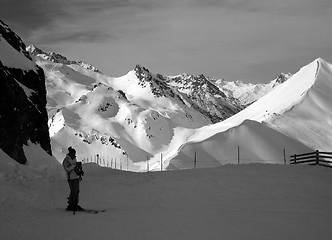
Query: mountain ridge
[298,109]
[142,116]
[160,89]
[58,58]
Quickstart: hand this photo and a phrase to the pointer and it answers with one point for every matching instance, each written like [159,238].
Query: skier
[74,176]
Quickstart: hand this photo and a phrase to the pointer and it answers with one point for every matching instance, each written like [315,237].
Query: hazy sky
[248,40]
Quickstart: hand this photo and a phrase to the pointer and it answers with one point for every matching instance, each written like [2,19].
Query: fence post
[285,156]
[294,158]
[127,163]
[317,157]
[195,161]
[161,161]
[238,154]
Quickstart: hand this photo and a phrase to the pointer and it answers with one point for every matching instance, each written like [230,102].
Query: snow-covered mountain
[133,117]
[166,120]
[206,96]
[247,93]
[219,98]
[299,109]
[23,116]
[135,114]
[58,58]
[141,115]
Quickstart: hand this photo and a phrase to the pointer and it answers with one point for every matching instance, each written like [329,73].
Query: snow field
[250,201]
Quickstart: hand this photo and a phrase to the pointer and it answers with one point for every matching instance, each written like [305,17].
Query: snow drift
[251,141]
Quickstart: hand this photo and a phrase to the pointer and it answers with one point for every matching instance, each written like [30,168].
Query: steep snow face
[310,121]
[281,99]
[299,108]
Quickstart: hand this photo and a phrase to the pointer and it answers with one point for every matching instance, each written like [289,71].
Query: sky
[249,40]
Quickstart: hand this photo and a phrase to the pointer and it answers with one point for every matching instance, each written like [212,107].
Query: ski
[91,211]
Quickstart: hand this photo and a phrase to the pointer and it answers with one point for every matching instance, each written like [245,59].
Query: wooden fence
[313,158]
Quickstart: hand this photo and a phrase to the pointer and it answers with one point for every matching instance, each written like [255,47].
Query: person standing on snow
[74,173]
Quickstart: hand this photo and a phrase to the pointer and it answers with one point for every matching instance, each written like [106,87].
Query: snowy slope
[299,108]
[251,141]
[250,201]
[130,118]
[310,121]
[278,101]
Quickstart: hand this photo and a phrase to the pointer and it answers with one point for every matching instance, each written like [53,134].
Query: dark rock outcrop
[23,115]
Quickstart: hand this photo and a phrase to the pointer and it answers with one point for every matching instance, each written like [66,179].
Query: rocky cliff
[23,115]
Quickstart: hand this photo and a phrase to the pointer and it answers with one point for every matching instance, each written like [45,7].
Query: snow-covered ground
[249,201]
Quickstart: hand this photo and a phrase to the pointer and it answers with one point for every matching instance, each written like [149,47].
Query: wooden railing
[313,158]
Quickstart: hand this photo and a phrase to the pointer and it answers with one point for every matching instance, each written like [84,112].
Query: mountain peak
[58,58]
[139,68]
[32,49]
[322,61]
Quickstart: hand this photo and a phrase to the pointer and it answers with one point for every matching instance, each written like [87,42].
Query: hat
[71,150]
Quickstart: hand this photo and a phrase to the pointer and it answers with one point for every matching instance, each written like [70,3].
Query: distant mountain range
[148,119]
[216,98]
[148,106]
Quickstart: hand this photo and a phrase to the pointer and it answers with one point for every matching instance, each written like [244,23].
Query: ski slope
[250,201]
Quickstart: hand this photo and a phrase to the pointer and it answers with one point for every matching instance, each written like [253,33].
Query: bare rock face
[23,115]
